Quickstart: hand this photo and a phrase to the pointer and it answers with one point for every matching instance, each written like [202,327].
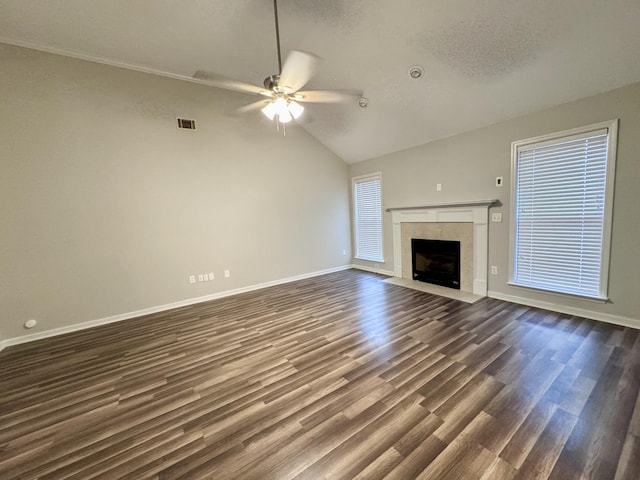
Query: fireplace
[436,261]
[466,222]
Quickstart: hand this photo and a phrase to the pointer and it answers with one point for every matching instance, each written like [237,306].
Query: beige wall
[466,165]
[107,208]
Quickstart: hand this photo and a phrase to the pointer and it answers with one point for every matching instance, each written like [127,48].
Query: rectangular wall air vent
[185,123]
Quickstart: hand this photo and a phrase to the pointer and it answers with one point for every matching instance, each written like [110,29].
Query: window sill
[374,260]
[560,294]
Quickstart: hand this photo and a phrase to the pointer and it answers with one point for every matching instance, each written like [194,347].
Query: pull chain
[284,126]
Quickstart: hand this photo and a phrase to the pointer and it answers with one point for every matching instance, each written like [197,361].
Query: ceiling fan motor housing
[271,82]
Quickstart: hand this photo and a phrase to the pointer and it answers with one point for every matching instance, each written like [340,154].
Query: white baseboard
[373,270]
[161,308]
[578,312]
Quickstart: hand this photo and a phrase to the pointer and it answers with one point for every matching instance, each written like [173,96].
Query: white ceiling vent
[185,123]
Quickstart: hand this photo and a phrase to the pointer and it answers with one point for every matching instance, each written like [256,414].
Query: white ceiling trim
[102,60]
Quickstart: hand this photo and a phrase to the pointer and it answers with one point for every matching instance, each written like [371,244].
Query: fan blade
[252,106]
[219,81]
[327,96]
[297,70]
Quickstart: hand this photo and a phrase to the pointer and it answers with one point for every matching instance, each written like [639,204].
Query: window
[367,198]
[562,191]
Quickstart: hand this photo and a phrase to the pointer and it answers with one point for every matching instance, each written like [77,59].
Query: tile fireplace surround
[471,212]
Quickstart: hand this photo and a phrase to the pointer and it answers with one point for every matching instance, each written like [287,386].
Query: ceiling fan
[282,91]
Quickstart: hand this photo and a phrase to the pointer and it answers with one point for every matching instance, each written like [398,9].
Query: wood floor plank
[544,454]
[334,377]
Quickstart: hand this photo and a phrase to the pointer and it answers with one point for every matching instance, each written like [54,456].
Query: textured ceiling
[484,61]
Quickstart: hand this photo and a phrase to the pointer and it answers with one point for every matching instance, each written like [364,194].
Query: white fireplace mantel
[476,212]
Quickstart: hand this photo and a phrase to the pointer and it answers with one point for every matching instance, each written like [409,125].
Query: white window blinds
[368,217]
[561,214]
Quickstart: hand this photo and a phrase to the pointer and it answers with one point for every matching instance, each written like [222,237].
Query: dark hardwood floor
[339,376]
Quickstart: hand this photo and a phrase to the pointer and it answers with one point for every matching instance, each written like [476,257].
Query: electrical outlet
[206,277]
[211,277]
[201,278]
[496,217]
[438,187]
[192,279]
[227,274]
[494,270]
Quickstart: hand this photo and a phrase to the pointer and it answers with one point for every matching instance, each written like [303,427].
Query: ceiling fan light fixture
[285,117]
[280,104]
[295,109]
[285,109]
[269,110]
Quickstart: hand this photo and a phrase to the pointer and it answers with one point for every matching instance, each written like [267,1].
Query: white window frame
[354,180]
[612,141]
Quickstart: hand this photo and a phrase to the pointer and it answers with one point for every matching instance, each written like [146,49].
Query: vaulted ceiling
[484,61]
